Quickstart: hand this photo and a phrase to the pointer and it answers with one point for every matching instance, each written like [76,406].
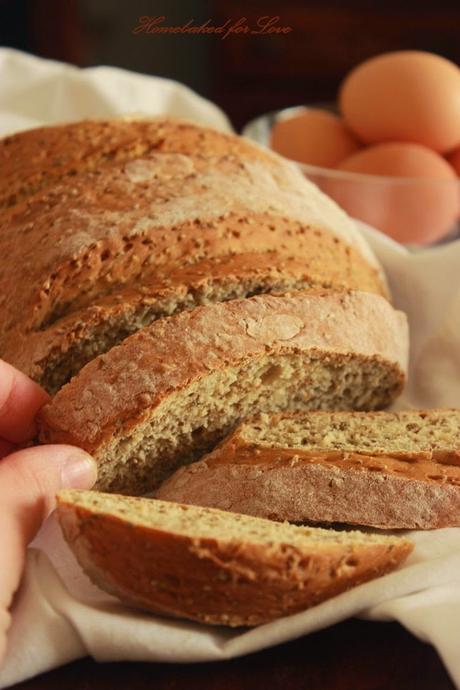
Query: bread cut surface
[168,393]
[380,469]
[212,566]
[102,208]
[52,355]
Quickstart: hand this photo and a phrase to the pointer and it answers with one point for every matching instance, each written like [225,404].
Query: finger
[20,400]
[29,481]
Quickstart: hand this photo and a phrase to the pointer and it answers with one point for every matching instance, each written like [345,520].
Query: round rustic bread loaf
[97,210]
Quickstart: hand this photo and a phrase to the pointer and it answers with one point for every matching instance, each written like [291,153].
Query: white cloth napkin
[58,614]
[35,92]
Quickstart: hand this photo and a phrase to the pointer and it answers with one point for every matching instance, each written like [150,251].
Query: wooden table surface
[354,655]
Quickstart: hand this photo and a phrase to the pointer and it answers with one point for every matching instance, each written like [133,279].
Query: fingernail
[79,471]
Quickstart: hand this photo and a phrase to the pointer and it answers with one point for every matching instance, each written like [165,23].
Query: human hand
[29,480]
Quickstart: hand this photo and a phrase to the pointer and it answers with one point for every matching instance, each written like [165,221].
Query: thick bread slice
[215,567]
[123,222]
[53,355]
[379,469]
[168,393]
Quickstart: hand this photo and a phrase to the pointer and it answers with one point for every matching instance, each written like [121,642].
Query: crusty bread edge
[312,492]
[278,576]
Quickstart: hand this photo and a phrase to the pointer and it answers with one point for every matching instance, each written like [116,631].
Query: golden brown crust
[217,580]
[320,489]
[117,391]
[38,158]
[404,490]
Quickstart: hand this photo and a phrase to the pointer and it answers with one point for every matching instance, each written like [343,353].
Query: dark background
[245,75]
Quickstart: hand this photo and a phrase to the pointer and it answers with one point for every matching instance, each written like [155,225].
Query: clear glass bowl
[411,210]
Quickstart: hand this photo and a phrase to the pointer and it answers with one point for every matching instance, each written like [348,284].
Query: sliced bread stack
[170,392]
[165,282]
[185,279]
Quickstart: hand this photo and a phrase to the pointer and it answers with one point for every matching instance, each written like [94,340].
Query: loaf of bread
[98,214]
[386,470]
[215,567]
[170,392]
[165,281]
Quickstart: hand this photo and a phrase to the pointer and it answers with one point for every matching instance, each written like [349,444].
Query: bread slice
[51,356]
[212,566]
[142,199]
[379,469]
[170,392]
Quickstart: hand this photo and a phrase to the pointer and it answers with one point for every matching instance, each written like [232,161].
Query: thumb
[29,481]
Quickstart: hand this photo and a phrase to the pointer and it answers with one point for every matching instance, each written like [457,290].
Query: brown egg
[404,96]
[316,137]
[406,190]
